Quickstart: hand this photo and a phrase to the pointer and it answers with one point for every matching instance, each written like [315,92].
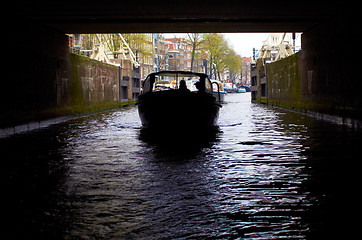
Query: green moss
[76,110]
[284,87]
[69,96]
[75,87]
[284,83]
[79,110]
[79,102]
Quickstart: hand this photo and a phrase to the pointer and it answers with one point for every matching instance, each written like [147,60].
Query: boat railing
[218,90]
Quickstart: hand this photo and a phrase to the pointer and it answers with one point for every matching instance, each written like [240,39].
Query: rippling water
[267,174]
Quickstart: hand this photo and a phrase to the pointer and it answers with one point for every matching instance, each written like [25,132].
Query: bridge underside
[177,16]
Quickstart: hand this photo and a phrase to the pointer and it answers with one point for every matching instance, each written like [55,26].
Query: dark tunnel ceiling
[176,16]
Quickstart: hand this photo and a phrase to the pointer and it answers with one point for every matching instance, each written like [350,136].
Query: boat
[217,88]
[178,108]
[247,88]
[229,90]
[241,90]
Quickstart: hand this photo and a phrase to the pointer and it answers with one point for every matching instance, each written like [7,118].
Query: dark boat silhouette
[166,104]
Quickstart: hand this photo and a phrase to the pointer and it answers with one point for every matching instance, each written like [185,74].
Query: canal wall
[330,77]
[322,80]
[45,81]
[297,84]
[81,86]
[37,62]
[93,85]
[284,83]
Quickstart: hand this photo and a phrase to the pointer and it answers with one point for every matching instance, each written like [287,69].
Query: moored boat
[178,108]
[241,90]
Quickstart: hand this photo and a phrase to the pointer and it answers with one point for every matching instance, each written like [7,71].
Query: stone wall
[36,68]
[284,83]
[92,84]
[330,76]
[258,82]
[43,80]
[323,79]
[296,83]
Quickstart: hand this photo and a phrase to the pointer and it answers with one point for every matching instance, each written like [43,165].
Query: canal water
[267,174]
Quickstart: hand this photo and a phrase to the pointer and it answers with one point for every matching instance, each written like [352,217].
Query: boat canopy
[215,87]
[156,81]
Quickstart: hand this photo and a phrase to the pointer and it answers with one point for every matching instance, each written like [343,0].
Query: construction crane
[284,49]
[273,49]
[99,51]
[132,56]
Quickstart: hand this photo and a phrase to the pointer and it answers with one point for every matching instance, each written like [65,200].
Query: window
[253,81]
[263,90]
[135,82]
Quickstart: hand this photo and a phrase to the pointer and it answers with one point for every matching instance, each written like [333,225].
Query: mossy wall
[93,85]
[47,81]
[299,84]
[324,78]
[284,83]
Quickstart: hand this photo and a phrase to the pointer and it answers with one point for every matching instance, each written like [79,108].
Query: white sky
[243,43]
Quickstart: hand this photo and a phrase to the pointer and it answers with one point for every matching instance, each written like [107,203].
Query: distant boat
[247,88]
[178,108]
[241,90]
[229,90]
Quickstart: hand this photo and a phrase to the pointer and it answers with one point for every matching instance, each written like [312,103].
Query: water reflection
[180,144]
[266,174]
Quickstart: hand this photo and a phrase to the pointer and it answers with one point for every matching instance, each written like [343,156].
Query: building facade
[179,54]
[245,71]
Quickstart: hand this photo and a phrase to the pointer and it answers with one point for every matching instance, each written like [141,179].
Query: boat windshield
[169,80]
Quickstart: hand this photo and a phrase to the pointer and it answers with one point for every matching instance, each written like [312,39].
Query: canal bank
[43,123]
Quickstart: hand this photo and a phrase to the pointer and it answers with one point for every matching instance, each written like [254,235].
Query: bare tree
[195,40]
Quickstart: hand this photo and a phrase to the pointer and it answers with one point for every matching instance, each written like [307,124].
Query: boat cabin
[170,80]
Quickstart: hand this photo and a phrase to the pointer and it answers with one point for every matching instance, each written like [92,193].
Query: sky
[243,43]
